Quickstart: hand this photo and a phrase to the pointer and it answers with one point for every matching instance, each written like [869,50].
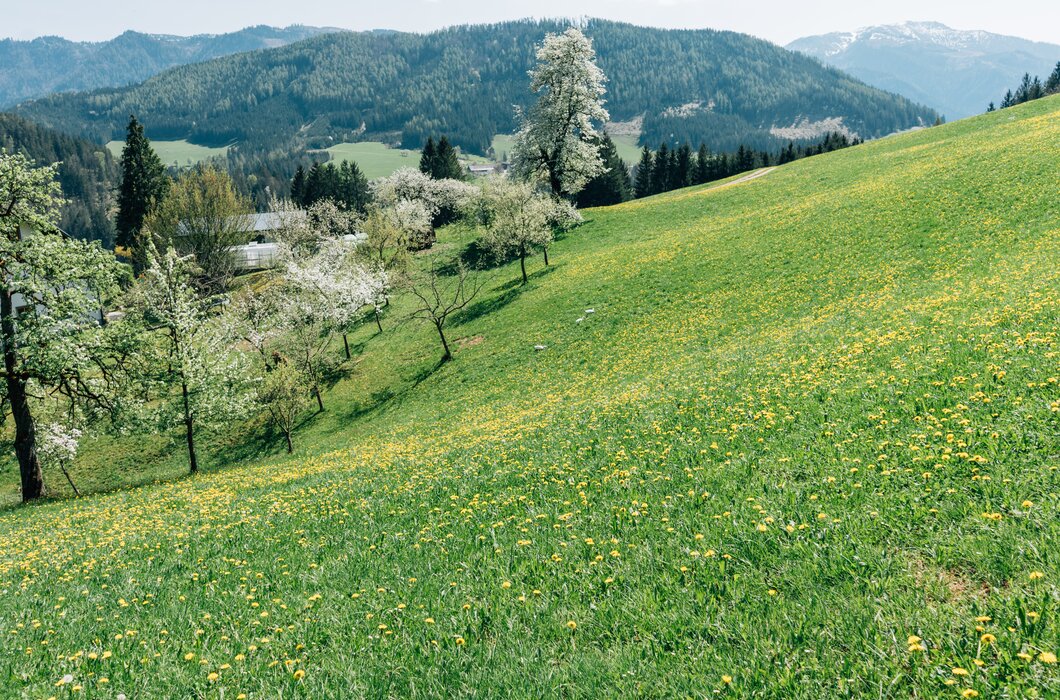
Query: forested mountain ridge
[957,72]
[49,64]
[88,174]
[689,85]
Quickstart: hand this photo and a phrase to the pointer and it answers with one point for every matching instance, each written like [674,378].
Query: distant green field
[628,150]
[175,152]
[379,160]
[375,159]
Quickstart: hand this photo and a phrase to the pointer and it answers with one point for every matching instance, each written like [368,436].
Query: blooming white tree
[557,142]
[200,378]
[50,287]
[519,219]
[58,445]
[413,201]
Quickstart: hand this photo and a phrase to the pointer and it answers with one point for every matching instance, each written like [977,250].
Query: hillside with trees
[87,174]
[31,69]
[723,88]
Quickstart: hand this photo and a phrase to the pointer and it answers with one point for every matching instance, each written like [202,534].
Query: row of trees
[1031,89]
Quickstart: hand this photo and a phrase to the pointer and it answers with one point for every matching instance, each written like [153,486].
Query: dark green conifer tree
[143,182]
[611,186]
[701,173]
[448,162]
[682,167]
[642,187]
[429,158]
[660,172]
[298,187]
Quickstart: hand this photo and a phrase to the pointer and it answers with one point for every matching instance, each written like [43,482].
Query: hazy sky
[777,20]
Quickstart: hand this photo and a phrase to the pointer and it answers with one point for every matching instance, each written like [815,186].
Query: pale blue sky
[776,20]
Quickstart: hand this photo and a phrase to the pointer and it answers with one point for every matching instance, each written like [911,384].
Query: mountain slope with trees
[956,72]
[31,69]
[88,174]
[723,88]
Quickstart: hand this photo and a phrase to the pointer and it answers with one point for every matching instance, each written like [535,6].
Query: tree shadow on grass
[509,292]
[387,396]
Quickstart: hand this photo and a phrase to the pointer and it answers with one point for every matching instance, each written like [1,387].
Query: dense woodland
[723,88]
[88,174]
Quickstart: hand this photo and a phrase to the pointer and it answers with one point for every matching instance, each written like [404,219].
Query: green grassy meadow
[376,159]
[180,153]
[807,445]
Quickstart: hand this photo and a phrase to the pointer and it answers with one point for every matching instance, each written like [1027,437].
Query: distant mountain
[88,174]
[957,72]
[720,87]
[50,64]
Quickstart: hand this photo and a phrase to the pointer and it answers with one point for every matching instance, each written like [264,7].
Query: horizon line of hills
[278,96]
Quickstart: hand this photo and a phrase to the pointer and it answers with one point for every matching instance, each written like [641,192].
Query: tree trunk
[522,264]
[346,344]
[290,445]
[189,428]
[378,323]
[546,256]
[67,475]
[25,428]
[441,334]
[320,401]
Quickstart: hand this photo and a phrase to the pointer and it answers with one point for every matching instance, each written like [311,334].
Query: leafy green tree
[556,141]
[143,184]
[50,287]
[204,216]
[611,186]
[284,393]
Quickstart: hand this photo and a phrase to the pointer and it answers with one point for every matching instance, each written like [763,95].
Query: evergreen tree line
[1031,89]
[343,184]
[670,168]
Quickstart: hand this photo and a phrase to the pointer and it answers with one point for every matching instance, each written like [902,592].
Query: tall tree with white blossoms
[558,140]
[200,377]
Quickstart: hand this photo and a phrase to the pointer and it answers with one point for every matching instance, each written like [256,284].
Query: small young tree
[203,215]
[284,393]
[437,297]
[556,141]
[193,350]
[58,446]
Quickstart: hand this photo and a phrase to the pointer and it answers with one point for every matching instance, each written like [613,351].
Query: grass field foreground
[805,445]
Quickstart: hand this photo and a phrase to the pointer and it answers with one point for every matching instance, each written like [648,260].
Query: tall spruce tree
[701,172]
[611,186]
[448,163]
[143,181]
[1052,83]
[660,171]
[682,172]
[429,158]
[298,187]
[642,185]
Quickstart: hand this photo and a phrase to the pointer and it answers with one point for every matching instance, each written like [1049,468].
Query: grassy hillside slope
[806,447]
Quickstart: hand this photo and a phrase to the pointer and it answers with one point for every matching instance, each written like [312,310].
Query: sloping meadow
[805,444]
